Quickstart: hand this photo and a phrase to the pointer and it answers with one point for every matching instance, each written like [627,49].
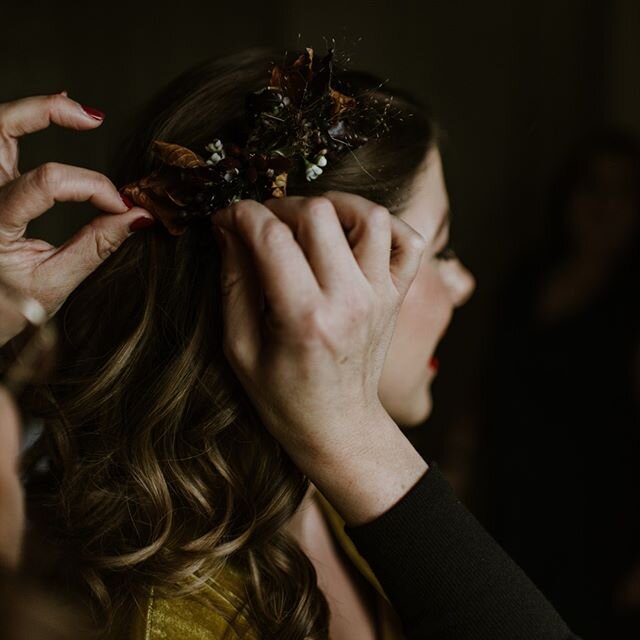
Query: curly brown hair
[153,467]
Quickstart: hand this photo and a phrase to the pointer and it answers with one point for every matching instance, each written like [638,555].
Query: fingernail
[94,113]
[63,93]
[141,223]
[128,202]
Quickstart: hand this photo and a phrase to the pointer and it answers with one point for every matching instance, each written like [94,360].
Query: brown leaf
[177,156]
[158,192]
[305,60]
[150,198]
[276,77]
[152,183]
[340,102]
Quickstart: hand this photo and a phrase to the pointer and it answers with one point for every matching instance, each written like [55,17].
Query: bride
[174,510]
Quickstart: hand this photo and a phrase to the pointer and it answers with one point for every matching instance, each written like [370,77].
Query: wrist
[367,476]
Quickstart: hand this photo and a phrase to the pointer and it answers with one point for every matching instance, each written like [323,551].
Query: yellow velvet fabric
[214,612]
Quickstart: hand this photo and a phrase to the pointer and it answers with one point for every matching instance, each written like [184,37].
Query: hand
[33,267]
[311,290]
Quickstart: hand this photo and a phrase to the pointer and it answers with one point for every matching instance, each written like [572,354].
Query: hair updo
[152,466]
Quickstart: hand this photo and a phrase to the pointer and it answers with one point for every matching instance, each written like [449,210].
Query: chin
[414,412]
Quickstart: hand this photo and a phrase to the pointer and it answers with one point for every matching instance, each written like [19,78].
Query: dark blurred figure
[564,422]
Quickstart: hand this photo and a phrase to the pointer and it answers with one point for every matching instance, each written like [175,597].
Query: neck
[302,524]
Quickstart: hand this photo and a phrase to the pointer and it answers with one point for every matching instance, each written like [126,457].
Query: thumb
[71,263]
[241,300]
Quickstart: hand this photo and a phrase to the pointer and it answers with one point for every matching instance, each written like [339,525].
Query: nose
[460,282]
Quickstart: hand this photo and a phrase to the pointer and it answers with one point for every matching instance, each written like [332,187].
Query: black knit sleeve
[445,575]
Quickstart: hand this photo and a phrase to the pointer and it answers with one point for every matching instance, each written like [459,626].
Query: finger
[35,113]
[36,191]
[368,229]
[318,230]
[407,248]
[287,280]
[72,262]
[241,301]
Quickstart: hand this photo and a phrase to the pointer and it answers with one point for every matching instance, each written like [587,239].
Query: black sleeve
[446,577]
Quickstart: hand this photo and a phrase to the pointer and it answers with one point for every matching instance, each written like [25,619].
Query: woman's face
[441,285]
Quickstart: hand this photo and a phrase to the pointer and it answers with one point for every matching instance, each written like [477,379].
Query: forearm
[446,577]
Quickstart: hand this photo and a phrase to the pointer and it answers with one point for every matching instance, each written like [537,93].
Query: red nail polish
[128,202]
[141,223]
[94,113]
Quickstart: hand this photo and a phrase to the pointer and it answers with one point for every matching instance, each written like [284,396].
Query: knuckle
[101,181]
[335,327]
[318,206]
[275,232]
[104,243]
[378,217]
[241,215]
[47,176]
[239,210]
[312,323]
[54,102]
[52,106]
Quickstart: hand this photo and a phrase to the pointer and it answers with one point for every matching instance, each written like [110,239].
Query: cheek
[422,320]
[425,312]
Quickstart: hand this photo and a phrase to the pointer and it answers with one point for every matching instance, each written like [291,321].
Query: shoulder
[214,610]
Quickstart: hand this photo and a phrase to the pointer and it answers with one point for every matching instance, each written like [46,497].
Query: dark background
[514,84]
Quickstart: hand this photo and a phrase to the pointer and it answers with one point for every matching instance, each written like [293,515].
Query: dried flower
[298,121]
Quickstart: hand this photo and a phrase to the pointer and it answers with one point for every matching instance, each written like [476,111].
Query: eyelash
[446,254]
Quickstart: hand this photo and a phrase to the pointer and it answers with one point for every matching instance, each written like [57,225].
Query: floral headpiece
[299,122]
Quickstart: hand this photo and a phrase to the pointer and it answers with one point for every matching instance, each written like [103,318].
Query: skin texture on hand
[34,267]
[311,289]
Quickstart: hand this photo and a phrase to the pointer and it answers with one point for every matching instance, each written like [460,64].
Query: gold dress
[213,612]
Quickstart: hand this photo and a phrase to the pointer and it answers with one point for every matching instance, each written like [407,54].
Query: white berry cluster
[217,152]
[314,169]
[284,103]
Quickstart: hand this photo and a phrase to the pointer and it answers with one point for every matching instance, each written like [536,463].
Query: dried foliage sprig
[299,122]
